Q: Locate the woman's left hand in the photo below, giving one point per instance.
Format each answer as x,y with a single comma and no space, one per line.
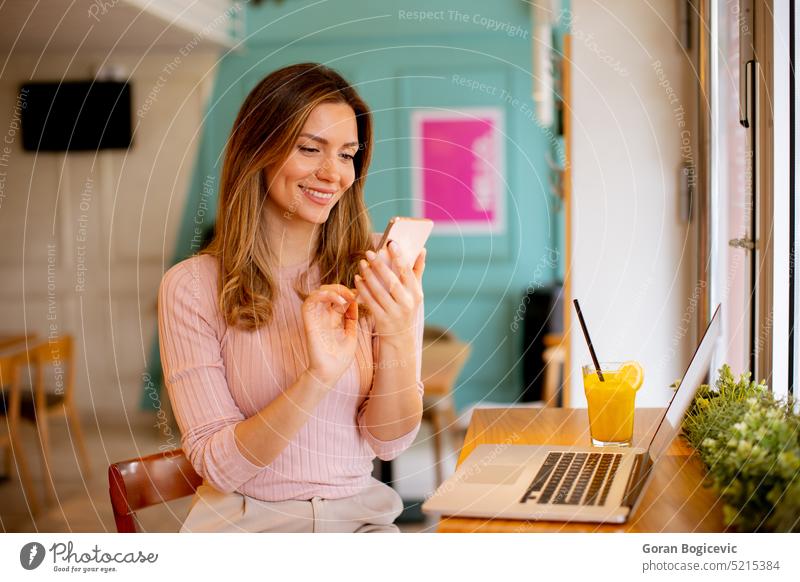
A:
394,299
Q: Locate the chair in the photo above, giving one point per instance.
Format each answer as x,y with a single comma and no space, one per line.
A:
11,363
38,407
443,358
553,357
147,481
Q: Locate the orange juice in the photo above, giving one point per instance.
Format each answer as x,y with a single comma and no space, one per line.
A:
611,402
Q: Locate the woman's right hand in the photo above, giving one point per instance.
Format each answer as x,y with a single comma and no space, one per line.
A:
330,318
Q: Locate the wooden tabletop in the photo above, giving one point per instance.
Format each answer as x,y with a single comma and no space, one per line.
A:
13,340
675,501
12,348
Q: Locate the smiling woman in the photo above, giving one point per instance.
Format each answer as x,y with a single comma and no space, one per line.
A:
302,128
289,364
320,169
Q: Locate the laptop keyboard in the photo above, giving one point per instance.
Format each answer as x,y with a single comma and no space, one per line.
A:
574,479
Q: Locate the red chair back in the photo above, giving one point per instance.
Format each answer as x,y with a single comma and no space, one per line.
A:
146,481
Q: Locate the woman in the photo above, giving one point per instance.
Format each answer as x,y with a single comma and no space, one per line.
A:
291,352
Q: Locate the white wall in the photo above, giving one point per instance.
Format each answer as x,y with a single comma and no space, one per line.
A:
125,204
632,255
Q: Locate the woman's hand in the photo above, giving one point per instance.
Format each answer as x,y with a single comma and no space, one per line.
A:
394,299
330,319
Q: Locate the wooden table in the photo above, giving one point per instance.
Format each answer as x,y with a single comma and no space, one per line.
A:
12,340
675,500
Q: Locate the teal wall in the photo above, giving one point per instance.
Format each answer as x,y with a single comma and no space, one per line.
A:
473,284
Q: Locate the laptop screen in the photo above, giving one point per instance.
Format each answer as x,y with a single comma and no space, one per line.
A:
682,399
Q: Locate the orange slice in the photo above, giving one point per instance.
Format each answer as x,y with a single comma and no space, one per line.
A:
632,374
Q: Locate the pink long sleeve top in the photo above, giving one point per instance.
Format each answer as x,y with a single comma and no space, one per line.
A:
218,375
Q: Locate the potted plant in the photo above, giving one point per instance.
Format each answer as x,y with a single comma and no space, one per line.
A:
750,443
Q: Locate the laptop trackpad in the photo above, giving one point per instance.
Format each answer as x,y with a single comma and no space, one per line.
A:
494,475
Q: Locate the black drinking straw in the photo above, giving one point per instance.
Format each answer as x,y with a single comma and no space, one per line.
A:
588,340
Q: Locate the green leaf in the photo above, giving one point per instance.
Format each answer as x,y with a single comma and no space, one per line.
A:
750,444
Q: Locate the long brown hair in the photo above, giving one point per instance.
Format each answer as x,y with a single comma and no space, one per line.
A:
264,134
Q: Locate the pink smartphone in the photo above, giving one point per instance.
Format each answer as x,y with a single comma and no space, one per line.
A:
410,234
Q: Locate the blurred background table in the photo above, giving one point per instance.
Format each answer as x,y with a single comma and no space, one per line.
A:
10,340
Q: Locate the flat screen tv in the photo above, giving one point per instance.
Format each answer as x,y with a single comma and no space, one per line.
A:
76,116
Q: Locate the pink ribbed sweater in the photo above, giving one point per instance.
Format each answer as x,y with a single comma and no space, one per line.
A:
218,375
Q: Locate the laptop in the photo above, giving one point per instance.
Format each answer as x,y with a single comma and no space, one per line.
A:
557,483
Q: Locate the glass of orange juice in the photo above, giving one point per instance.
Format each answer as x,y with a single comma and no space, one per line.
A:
611,401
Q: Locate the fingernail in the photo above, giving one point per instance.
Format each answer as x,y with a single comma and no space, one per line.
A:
393,246
364,265
371,255
358,277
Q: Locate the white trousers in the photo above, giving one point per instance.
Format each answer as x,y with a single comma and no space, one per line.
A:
373,509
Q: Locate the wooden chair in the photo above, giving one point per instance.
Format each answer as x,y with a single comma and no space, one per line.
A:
38,406
443,358
147,481
553,356
11,363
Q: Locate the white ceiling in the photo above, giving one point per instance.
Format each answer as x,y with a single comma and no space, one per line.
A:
70,26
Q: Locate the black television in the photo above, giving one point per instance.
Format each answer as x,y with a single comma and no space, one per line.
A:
76,116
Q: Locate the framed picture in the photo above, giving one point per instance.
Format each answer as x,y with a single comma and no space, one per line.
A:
458,169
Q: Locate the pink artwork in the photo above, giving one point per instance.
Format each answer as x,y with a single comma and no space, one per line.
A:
458,167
